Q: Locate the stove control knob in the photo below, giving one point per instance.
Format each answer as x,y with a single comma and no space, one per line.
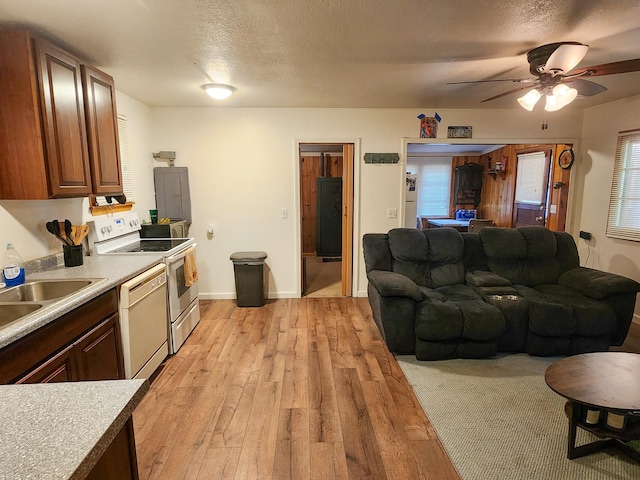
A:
105,229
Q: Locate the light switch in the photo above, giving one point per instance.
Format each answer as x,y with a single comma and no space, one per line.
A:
553,209
392,213
284,214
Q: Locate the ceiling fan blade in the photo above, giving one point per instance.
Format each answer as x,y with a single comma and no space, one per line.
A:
564,58
585,87
510,92
513,80
626,66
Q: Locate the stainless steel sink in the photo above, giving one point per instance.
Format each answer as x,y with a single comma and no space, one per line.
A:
42,290
23,300
14,311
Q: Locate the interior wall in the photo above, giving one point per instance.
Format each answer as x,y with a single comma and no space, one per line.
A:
593,174
242,167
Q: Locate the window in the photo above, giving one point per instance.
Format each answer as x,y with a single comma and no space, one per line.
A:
530,187
434,185
624,204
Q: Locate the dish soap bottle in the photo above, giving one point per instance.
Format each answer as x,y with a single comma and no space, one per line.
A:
12,267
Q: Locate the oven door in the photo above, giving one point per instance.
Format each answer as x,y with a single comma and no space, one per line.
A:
180,296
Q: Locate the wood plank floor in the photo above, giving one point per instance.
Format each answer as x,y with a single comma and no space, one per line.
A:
297,389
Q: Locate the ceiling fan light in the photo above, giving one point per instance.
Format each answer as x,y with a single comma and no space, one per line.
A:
561,97
565,58
529,100
218,91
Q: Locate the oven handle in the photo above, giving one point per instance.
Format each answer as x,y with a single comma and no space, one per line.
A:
178,256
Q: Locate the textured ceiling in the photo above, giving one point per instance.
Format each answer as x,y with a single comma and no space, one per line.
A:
331,53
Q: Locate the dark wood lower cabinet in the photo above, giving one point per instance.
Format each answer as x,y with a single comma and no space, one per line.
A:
82,345
119,461
57,369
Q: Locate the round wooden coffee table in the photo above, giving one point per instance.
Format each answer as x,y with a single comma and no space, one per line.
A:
603,394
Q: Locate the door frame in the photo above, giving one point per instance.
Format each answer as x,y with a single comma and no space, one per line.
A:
350,209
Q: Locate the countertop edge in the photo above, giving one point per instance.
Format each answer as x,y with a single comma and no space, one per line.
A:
105,268
92,458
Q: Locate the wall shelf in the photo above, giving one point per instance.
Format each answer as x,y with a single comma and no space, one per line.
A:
494,173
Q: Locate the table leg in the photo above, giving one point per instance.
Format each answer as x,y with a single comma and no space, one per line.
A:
576,452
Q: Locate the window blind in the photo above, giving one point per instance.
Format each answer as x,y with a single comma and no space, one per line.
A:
529,184
434,184
624,204
125,158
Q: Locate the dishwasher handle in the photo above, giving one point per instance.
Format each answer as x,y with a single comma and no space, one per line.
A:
143,285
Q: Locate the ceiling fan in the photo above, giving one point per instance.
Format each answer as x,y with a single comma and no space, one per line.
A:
553,66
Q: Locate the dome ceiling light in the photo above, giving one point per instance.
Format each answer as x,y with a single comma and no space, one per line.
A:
219,91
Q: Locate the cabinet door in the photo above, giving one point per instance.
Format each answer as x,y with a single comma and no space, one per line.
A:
59,368
102,131
99,352
64,121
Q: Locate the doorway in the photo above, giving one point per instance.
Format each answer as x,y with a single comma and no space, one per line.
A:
326,199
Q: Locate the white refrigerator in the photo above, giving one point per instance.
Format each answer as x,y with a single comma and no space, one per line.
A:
411,201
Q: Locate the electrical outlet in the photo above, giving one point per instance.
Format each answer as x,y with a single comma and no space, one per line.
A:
392,213
585,235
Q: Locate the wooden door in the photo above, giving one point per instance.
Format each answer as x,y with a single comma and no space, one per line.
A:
532,188
64,121
102,131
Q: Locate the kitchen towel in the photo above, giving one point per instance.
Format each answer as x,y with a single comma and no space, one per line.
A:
190,269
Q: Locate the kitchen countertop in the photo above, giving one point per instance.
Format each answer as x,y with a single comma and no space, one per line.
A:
60,430
112,270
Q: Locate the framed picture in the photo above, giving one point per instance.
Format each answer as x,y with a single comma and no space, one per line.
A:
428,127
459,132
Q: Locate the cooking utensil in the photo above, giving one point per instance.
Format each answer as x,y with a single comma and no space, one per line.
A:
79,232
60,233
54,228
68,231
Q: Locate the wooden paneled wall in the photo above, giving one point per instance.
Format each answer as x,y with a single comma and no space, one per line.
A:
309,173
498,189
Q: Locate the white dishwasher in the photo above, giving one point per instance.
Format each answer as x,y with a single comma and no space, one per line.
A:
143,321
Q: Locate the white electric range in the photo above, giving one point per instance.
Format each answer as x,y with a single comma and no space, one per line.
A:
119,234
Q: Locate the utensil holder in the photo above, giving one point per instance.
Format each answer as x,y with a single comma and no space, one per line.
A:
72,255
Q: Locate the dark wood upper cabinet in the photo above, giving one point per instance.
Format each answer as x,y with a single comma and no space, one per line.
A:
63,122
102,131
58,131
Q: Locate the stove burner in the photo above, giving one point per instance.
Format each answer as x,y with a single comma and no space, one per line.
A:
150,245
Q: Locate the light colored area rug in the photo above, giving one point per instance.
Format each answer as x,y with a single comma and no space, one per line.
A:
498,420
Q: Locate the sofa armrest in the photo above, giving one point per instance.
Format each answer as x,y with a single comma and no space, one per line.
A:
596,283
483,278
391,284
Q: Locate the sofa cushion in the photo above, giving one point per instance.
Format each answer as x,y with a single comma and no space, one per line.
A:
376,251
464,318
446,248
593,318
525,255
410,255
567,251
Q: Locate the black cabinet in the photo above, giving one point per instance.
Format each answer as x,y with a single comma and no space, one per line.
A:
329,226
